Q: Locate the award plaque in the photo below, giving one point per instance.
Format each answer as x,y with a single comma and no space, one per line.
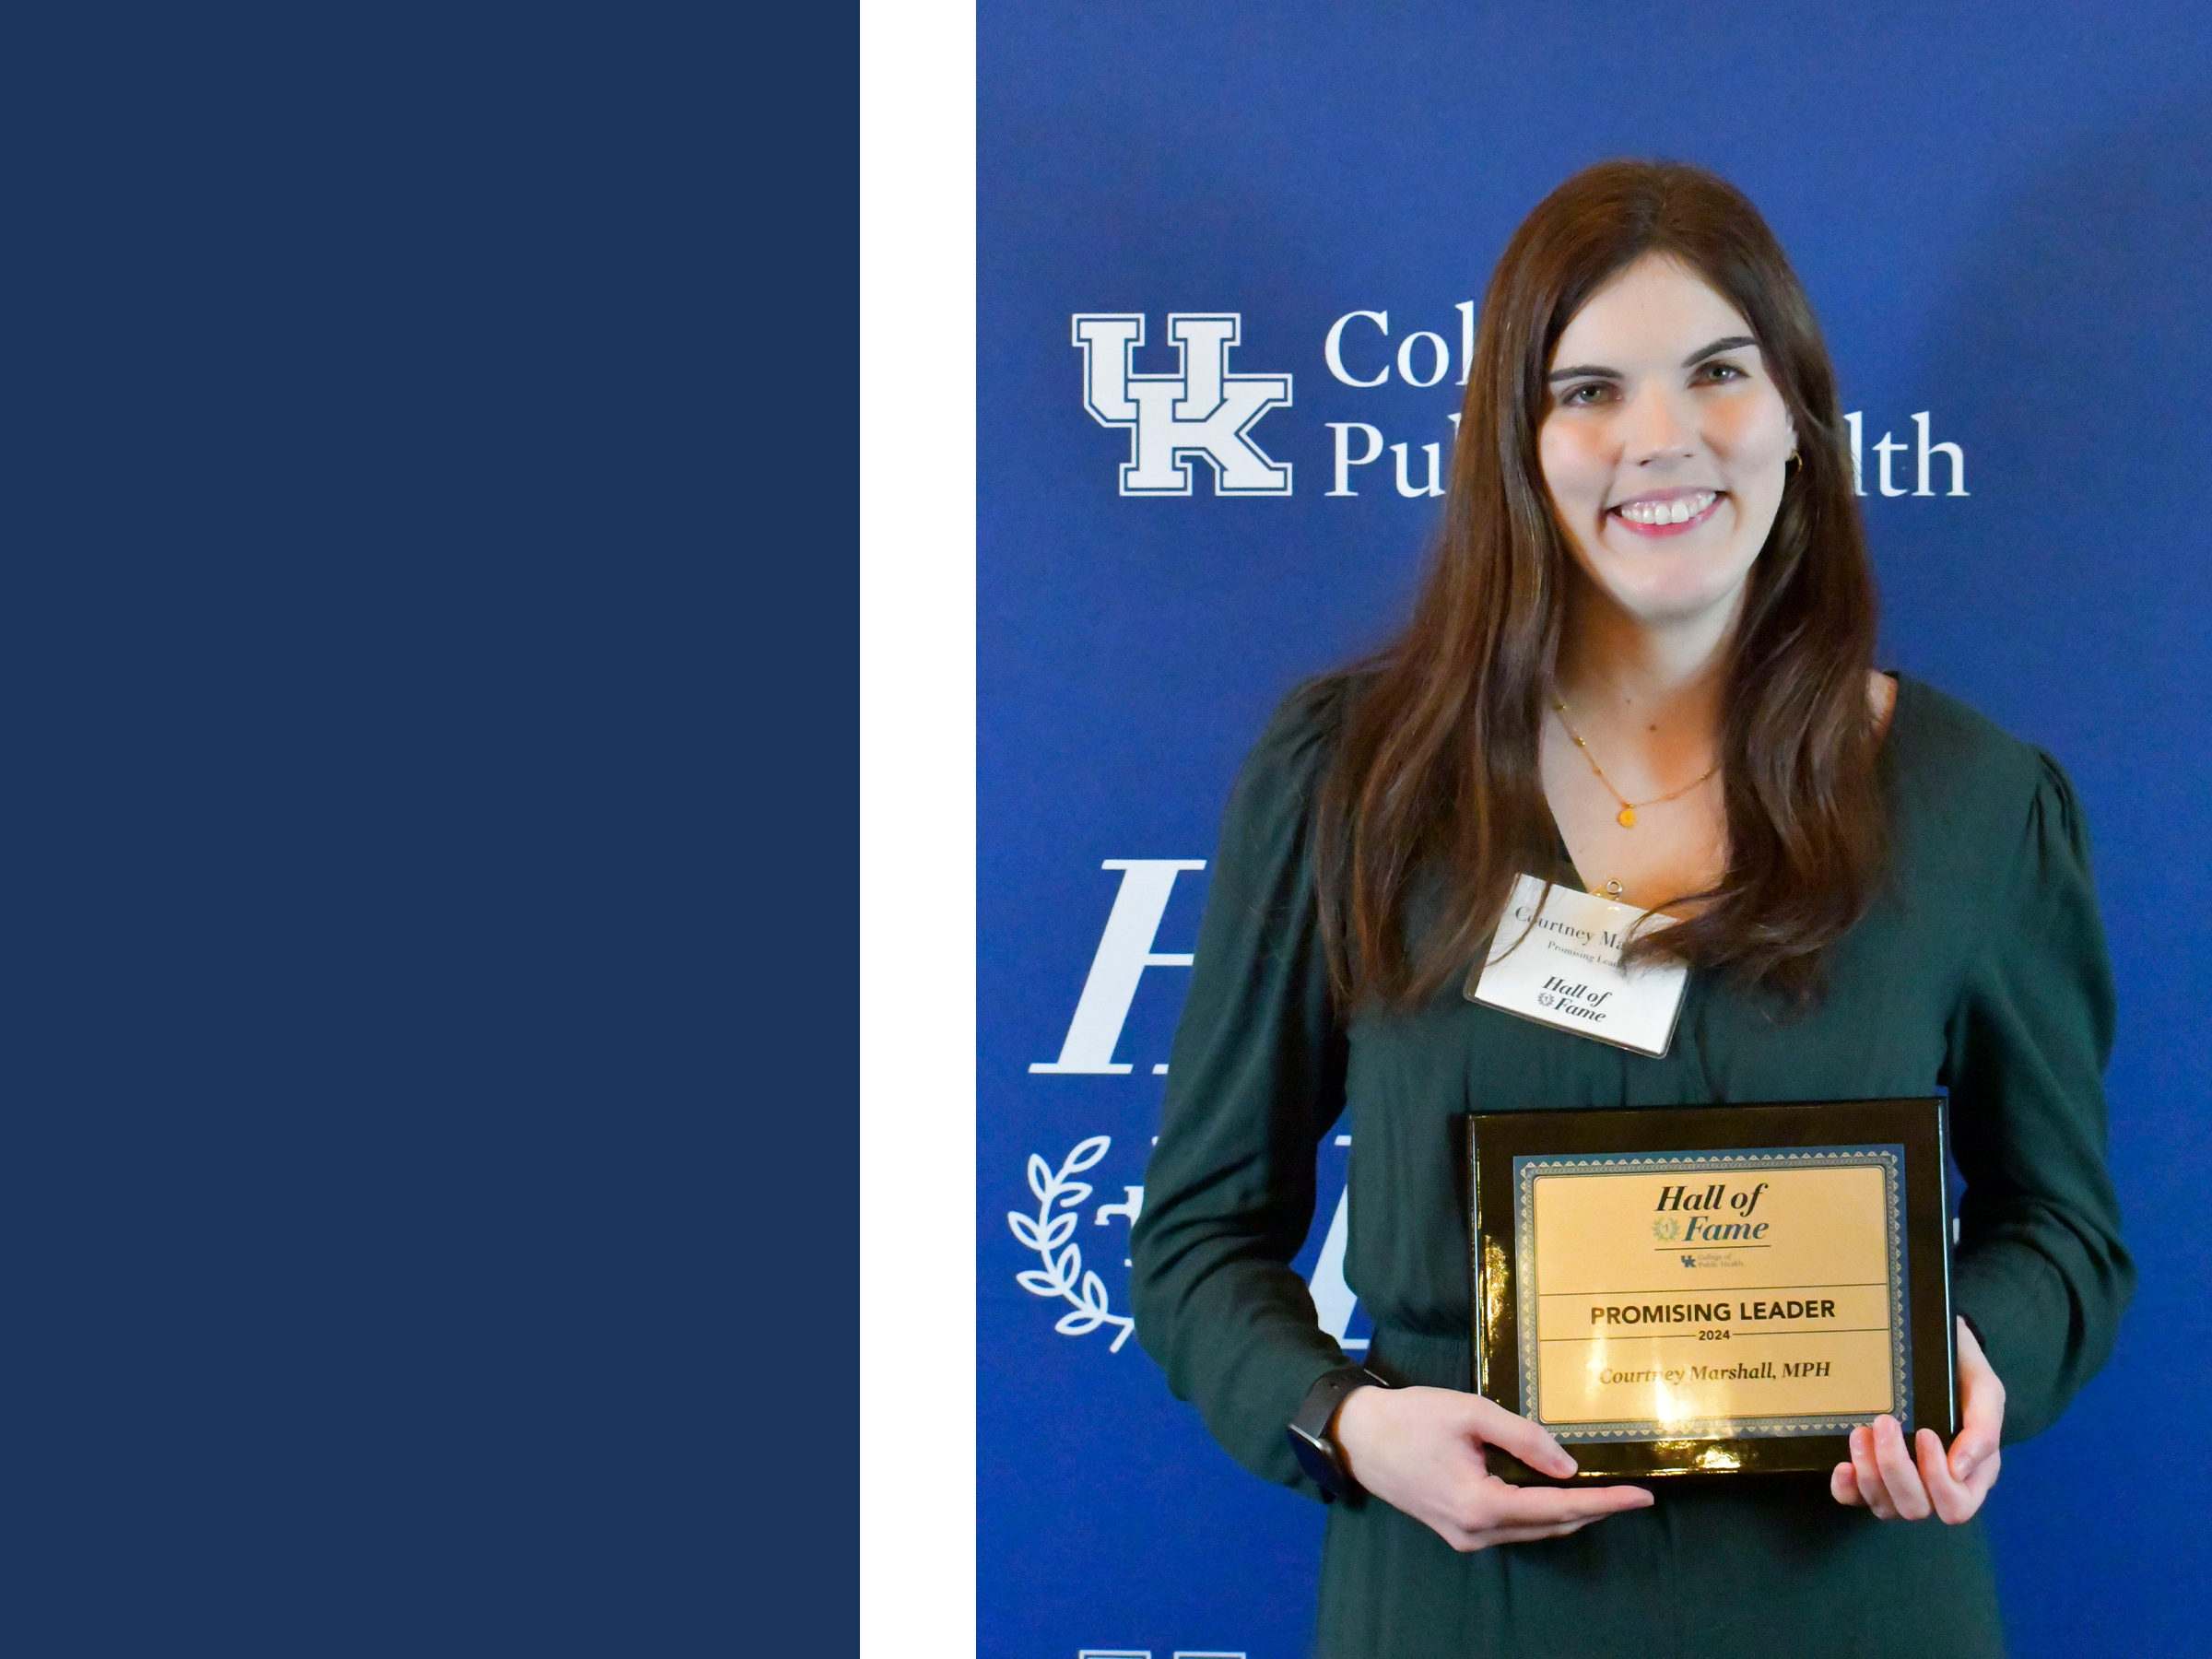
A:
1710,1290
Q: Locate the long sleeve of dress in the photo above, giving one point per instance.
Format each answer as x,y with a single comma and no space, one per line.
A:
1256,1078
2039,1270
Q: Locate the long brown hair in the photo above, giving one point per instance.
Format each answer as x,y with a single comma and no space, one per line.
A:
1434,789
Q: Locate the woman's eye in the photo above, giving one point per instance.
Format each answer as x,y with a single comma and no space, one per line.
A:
1588,392
1723,371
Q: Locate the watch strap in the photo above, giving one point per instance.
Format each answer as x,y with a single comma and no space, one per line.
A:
1312,1434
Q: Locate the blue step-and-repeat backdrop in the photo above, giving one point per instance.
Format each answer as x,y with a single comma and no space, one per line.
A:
2005,216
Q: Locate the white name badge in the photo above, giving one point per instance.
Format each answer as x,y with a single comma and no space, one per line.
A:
1556,960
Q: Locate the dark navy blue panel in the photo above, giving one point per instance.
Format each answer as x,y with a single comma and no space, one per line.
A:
2002,215
430,812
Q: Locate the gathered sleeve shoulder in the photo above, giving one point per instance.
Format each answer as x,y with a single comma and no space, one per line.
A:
2039,1270
1256,1079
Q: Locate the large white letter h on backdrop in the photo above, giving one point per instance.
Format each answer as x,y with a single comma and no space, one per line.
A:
1124,952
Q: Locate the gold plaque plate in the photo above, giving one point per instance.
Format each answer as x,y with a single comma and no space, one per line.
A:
1710,1290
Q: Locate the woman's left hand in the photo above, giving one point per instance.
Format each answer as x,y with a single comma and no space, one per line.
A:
1881,1474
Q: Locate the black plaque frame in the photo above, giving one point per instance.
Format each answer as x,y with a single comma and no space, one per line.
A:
1494,1139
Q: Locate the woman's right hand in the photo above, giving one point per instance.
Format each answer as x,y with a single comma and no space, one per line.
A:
1420,1450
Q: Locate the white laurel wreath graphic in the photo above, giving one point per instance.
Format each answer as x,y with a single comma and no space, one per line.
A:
1052,1237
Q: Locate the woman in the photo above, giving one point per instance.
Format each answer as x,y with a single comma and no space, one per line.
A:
1642,662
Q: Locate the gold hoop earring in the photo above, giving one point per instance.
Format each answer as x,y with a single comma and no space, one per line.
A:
1793,460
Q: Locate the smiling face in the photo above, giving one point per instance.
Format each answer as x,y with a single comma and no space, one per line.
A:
1664,444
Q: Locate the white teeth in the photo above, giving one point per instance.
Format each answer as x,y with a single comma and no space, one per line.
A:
1678,512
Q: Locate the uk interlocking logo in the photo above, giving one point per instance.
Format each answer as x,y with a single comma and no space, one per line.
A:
1201,412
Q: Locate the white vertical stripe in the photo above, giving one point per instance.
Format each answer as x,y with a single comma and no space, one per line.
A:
917,633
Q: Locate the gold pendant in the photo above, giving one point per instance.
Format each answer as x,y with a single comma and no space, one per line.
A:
1627,820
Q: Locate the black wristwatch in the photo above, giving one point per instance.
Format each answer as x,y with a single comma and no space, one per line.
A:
1312,1431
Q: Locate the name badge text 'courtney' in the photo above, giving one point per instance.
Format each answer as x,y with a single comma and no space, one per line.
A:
1556,960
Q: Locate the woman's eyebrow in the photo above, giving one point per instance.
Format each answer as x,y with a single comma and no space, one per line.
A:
1598,371
1729,343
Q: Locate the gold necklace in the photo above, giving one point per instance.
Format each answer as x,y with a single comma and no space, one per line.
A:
1626,817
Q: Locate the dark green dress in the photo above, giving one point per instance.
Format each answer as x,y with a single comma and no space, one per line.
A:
1983,969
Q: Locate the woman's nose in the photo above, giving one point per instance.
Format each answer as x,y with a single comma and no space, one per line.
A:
1655,428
